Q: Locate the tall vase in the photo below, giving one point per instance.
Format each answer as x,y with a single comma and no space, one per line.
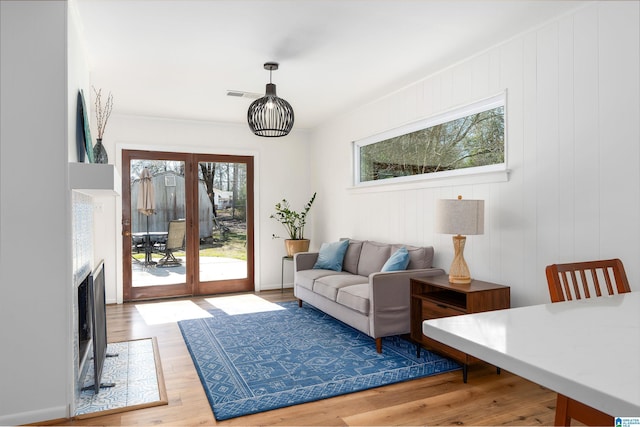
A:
99,153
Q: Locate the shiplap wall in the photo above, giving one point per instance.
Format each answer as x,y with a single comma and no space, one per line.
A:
573,191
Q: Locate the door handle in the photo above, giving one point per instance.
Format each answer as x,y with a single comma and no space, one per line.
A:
125,227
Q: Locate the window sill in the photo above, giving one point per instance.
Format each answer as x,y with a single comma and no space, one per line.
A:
432,182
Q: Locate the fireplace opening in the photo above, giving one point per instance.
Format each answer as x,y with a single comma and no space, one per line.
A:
85,322
99,327
92,328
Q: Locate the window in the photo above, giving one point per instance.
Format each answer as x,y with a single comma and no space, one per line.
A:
467,140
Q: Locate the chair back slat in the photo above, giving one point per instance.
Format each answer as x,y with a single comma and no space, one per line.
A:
568,283
571,281
607,279
585,282
596,283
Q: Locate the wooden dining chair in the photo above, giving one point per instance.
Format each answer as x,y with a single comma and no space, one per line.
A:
574,281
588,279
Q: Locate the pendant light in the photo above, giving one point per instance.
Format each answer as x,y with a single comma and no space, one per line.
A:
270,116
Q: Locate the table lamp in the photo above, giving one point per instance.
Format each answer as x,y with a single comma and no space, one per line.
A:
461,218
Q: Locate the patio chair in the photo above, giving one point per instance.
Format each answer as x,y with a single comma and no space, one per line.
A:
175,241
577,281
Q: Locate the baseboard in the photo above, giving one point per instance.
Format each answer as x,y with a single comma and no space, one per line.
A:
276,287
39,416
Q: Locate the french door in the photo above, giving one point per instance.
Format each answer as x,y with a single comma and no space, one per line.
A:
187,224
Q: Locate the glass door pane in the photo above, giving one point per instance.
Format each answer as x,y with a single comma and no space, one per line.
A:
158,223
222,216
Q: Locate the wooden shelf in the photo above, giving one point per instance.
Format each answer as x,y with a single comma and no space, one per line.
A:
94,179
454,299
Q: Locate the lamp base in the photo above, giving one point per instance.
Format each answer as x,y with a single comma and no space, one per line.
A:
459,280
459,271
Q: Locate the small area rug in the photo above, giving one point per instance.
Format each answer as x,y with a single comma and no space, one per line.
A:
251,363
137,374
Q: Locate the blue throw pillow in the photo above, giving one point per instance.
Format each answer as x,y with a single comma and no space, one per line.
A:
331,255
398,261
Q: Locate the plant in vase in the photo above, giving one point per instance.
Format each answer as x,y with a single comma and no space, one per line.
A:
294,223
102,116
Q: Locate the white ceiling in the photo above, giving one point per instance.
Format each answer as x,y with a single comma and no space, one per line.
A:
177,59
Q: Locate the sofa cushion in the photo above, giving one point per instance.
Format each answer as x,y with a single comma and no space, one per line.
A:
398,261
331,255
355,297
305,278
328,286
419,257
372,257
352,256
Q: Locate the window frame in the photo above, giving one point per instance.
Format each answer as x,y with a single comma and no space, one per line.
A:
499,100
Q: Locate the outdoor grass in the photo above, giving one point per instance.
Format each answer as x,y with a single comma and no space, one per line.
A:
235,246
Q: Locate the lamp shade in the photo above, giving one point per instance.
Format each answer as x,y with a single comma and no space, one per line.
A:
458,216
270,116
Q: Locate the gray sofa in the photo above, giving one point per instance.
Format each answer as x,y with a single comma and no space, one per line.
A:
374,302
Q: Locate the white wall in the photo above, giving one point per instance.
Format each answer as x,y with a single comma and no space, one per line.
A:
573,150
280,172
34,214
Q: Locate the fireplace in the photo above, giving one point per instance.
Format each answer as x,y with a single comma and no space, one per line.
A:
84,327
92,328
99,326
86,181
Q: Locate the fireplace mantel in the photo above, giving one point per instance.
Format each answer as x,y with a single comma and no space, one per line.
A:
94,179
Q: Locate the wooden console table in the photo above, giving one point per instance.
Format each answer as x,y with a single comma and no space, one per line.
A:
434,297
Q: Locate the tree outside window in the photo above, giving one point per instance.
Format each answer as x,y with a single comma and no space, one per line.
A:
468,141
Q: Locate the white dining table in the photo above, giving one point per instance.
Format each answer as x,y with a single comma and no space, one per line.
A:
587,350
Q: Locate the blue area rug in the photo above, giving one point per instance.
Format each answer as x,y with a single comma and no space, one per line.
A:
251,363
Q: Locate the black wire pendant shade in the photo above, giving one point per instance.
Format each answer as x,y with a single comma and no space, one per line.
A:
270,116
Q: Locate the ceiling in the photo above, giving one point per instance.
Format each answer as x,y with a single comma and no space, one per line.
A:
178,59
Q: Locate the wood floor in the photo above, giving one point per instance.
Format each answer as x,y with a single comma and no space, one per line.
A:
487,398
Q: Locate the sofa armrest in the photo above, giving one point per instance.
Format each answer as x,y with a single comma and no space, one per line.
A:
304,260
389,299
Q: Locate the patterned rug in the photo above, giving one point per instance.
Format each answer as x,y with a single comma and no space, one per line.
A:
251,363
